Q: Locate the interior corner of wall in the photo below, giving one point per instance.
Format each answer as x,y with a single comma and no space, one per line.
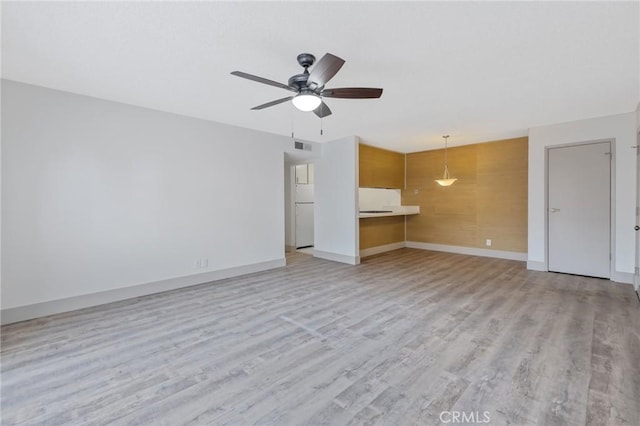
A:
536,265
622,277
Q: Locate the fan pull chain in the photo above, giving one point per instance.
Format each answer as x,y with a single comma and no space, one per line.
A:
321,115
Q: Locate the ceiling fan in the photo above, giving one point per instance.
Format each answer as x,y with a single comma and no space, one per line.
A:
309,86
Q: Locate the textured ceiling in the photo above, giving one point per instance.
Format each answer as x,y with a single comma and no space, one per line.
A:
479,71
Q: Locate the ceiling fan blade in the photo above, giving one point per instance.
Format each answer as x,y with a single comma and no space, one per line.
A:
272,103
262,80
352,93
322,111
325,69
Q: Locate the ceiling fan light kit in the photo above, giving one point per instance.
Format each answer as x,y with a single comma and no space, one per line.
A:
306,101
309,86
446,180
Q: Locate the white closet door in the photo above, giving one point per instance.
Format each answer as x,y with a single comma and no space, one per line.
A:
579,209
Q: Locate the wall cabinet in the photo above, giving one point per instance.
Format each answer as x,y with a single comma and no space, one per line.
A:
380,168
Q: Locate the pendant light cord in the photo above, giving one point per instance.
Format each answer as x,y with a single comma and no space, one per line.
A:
446,158
292,133
446,180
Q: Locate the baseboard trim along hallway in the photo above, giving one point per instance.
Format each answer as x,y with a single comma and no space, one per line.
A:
22,313
381,249
473,251
337,257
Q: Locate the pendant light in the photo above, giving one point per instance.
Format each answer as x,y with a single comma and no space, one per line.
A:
446,180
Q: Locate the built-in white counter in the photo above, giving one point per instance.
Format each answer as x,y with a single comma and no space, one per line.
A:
390,211
381,202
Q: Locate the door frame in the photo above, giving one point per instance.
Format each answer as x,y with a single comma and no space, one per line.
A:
612,206
636,270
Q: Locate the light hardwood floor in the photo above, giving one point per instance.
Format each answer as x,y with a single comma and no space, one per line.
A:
394,341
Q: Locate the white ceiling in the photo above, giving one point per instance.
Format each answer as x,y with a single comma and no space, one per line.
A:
479,71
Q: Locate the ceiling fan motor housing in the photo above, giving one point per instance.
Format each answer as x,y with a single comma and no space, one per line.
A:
299,81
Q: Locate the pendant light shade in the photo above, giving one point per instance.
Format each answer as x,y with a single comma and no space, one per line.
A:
446,180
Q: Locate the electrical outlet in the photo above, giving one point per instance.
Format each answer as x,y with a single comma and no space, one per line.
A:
201,263
488,243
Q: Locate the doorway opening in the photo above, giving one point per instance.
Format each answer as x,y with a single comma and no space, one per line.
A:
304,206
299,205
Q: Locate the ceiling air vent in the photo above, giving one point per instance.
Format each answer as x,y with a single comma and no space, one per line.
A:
302,146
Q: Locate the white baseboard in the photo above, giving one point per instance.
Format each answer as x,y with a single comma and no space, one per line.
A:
473,251
622,277
617,276
534,265
381,249
36,310
336,257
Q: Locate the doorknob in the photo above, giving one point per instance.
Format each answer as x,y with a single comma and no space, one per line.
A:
637,228
554,210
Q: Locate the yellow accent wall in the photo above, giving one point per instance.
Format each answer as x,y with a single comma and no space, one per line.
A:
380,168
379,231
489,200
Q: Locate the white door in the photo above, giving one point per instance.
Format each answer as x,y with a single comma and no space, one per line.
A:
302,175
579,209
304,193
310,173
304,225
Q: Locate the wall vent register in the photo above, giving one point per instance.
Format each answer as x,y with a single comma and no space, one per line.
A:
302,146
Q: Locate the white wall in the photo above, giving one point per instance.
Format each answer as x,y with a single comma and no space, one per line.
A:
1,132
622,129
336,201
98,196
